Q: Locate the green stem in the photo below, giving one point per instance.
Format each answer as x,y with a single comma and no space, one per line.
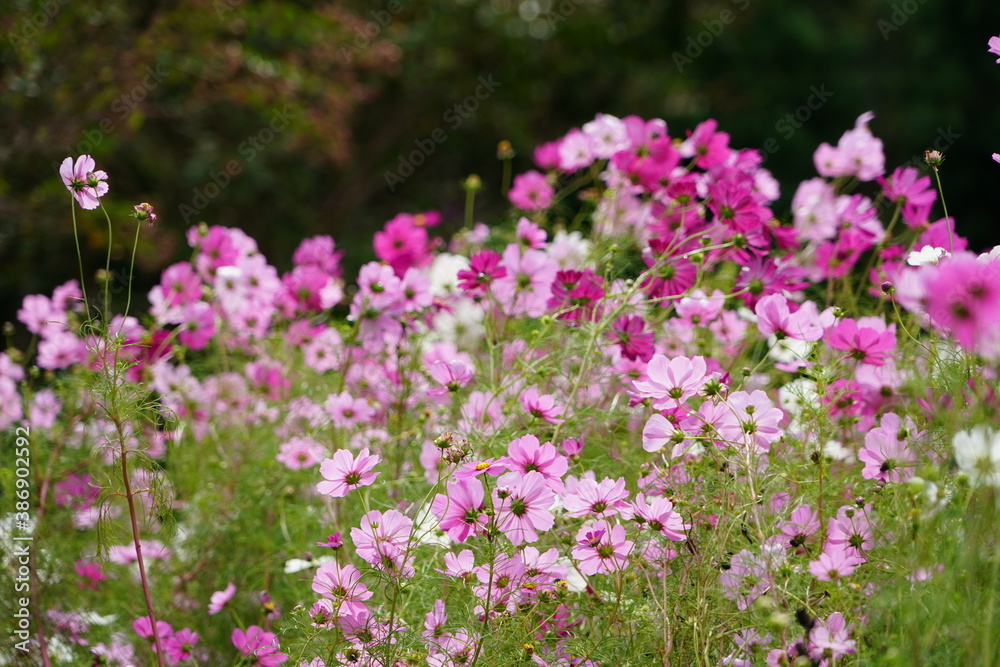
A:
470,199
937,177
131,268
79,257
107,270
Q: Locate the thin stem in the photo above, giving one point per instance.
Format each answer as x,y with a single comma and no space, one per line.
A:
131,268
937,177
470,200
107,270
138,547
79,257
505,187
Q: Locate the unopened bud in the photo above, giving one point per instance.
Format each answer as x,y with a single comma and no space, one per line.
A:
473,183
504,150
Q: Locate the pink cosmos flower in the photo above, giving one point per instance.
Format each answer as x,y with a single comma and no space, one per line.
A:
775,317
300,453
602,500
180,645
673,275
451,375
144,628
527,285
484,268
963,297
529,235
994,45
803,522
673,381
870,344
459,565
531,191
525,455
634,341
461,513
745,580
319,251
752,420
835,562
575,151
660,432
383,539
344,472
263,646
220,598
858,153
708,147
886,455
659,514
542,406
197,325
852,529
90,572
402,244
734,205
576,295
602,548
81,179
522,503
343,586
346,411
913,191
332,542
829,639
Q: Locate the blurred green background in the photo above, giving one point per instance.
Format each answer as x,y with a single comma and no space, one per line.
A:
299,109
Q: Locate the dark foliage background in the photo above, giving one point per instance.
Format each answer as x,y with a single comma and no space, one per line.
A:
165,94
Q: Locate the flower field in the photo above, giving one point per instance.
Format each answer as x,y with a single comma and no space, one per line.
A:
642,420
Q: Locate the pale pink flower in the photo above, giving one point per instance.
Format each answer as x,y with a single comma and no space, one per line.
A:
220,598
673,381
344,472
84,181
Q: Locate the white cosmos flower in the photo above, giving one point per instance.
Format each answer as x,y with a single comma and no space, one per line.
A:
927,255
977,453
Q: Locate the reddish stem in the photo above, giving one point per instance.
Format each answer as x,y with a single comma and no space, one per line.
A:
138,550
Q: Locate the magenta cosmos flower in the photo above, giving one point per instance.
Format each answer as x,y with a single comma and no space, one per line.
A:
343,586
531,191
461,513
602,548
263,646
522,505
84,181
525,455
344,473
